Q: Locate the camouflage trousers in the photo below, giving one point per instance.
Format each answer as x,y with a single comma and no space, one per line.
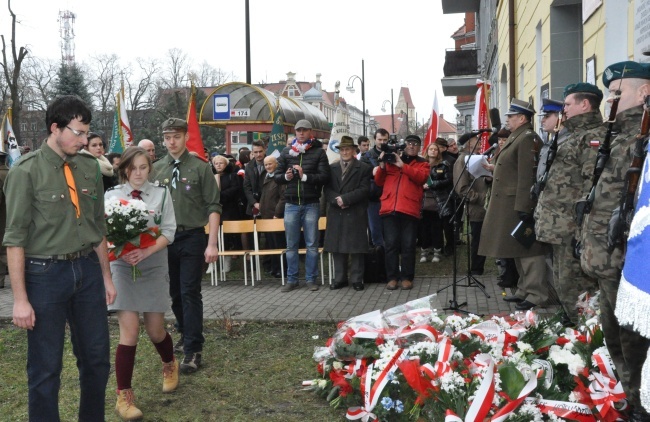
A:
569,280
627,348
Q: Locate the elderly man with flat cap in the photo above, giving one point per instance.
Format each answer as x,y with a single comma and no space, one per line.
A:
630,80
304,168
511,203
569,181
195,194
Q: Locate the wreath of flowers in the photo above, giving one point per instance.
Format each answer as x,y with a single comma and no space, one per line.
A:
297,148
409,363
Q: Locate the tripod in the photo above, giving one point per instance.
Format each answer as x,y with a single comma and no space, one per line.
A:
471,280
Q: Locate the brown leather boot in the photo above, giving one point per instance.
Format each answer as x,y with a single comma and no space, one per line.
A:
125,406
170,376
407,285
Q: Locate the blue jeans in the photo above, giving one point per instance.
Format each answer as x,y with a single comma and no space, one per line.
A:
400,231
71,291
295,217
374,223
186,257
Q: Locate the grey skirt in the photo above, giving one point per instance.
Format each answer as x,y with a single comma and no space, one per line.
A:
149,292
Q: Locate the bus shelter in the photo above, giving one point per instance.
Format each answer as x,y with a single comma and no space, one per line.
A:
240,107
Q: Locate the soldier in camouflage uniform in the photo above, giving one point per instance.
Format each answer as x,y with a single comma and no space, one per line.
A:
627,348
569,180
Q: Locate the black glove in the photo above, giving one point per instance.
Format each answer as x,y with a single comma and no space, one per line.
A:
526,217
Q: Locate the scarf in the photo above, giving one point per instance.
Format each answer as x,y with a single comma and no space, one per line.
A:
105,166
297,148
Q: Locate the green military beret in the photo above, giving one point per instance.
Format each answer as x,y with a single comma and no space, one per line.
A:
626,69
584,88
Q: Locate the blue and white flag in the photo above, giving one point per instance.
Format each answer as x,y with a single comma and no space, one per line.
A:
633,300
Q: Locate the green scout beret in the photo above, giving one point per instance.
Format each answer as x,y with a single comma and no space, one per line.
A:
626,69
174,125
584,88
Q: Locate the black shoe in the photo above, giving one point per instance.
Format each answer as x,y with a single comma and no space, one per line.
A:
357,286
524,305
277,274
513,299
178,347
191,363
338,285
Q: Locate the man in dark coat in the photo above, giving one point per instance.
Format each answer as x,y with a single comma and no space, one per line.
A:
347,220
510,203
254,174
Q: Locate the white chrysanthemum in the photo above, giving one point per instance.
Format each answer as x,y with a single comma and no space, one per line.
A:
524,347
129,227
456,322
573,361
574,397
424,347
530,410
337,365
451,381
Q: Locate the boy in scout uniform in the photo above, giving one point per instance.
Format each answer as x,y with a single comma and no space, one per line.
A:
58,261
195,195
627,347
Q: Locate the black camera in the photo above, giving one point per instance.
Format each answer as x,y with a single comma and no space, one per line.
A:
295,172
392,146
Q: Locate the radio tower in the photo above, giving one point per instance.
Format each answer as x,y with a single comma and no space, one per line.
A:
66,27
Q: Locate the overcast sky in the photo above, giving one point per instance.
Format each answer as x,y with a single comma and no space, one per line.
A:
402,42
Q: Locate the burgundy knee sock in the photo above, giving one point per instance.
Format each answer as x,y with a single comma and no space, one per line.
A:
124,362
165,349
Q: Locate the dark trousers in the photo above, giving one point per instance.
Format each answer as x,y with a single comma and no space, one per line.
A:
430,230
357,264
72,292
478,261
400,231
186,258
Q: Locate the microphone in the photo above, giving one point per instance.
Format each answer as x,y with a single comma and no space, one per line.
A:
488,130
492,148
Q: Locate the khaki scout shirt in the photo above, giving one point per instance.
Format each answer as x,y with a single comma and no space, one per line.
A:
196,195
40,215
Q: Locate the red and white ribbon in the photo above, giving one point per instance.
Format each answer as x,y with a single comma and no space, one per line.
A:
482,403
371,392
452,417
510,407
567,410
441,367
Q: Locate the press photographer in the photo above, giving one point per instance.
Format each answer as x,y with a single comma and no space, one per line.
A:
404,173
391,149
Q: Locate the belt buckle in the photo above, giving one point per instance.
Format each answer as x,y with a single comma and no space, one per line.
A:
72,256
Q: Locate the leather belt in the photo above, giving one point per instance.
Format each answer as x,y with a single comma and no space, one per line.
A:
187,229
63,257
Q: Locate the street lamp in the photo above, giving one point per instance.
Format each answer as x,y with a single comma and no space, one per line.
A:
350,88
383,108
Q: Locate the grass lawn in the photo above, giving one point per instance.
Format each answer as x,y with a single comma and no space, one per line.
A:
254,375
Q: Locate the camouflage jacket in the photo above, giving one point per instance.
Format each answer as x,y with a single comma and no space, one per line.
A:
595,260
569,179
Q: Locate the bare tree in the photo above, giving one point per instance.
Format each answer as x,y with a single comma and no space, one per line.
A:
105,80
141,90
12,70
176,74
207,75
39,77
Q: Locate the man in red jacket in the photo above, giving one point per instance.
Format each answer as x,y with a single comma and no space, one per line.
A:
402,177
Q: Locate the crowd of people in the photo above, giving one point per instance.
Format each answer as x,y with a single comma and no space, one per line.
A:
383,200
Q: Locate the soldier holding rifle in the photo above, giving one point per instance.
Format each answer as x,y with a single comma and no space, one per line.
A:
568,179
630,82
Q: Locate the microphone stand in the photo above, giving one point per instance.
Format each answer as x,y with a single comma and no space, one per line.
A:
453,303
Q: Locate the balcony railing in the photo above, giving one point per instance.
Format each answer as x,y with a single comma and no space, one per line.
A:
461,62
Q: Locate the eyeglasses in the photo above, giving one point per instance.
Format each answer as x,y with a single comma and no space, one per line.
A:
78,133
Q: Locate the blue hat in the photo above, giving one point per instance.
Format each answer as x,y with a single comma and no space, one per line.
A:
520,107
583,88
625,70
550,106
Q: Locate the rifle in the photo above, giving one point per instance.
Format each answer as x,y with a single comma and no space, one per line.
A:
604,150
540,184
619,226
